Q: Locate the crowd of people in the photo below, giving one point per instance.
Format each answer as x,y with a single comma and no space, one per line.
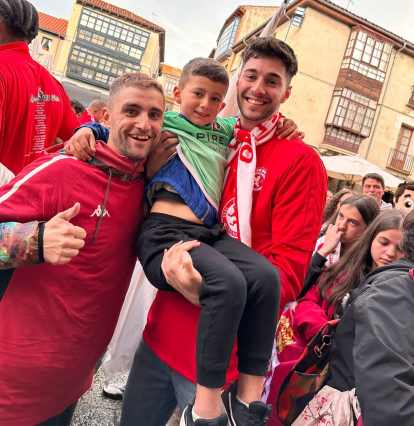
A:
246,275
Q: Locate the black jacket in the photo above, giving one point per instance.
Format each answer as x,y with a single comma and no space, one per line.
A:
313,274
373,348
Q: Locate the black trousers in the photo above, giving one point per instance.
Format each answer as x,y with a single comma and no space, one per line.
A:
62,419
240,295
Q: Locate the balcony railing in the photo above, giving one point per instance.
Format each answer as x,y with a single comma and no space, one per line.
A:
399,160
411,102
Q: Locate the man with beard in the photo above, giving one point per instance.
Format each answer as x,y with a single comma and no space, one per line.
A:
275,224
56,321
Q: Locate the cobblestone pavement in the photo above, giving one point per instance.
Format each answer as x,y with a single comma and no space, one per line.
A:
94,409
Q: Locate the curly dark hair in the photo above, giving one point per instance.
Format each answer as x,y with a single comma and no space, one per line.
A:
21,17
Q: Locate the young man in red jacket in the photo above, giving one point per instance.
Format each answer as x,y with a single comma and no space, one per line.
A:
34,107
282,228
56,321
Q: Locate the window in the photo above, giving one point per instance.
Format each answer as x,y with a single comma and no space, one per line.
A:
367,55
46,43
298,16
227,38
112,27
169,86
342,139
399,157
353,111
101,77
411,100
404,139
98,39
91,65
87,73
111,34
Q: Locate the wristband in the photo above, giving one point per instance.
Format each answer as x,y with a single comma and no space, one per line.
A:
40,240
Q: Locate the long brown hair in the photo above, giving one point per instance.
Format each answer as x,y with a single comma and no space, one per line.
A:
351,269
366,206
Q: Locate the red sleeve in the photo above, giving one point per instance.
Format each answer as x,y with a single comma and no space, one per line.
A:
296,222
33,194
2,96
309,314
69,122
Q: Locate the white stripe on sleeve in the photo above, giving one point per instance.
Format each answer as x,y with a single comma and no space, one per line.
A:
17,185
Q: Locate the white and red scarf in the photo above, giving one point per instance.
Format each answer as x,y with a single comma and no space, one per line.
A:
241,156
332,257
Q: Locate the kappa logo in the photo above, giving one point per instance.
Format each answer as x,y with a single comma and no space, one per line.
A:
259,178
215,126
41,97
98,212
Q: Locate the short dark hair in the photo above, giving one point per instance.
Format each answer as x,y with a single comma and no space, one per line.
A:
21,17
375,176
407,242
204,67
77,106
272,48
133,79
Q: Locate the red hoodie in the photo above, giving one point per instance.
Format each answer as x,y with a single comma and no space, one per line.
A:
34,108
56,321
288,200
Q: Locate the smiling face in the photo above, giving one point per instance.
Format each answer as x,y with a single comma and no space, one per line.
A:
135,120
261,88
385,248
351,223
200,99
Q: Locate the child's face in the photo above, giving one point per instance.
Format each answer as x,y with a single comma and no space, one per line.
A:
200,100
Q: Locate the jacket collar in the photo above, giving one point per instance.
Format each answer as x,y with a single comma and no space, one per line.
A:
17,46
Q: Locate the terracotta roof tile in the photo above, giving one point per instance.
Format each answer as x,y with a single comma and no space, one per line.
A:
104,6
52,24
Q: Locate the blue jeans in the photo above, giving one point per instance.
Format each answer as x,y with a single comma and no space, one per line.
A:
153,390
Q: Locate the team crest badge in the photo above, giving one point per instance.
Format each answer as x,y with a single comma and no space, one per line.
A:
215,126
259,178
229,217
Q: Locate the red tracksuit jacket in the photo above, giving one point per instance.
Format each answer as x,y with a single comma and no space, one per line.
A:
288,201
56,321
34,108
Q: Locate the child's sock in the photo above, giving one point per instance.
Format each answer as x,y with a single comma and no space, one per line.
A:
241,402
195,417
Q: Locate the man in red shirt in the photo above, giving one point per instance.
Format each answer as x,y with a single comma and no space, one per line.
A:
34,107
289,191
56,321
93,112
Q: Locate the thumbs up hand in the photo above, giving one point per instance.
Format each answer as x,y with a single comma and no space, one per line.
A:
61,239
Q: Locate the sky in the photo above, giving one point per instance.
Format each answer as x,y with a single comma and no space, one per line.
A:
192,26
